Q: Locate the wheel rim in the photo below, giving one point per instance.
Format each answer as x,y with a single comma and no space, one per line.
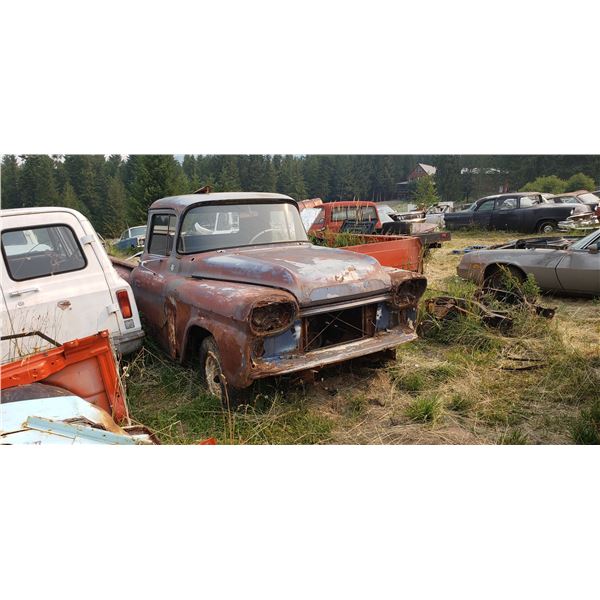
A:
212,372
547,228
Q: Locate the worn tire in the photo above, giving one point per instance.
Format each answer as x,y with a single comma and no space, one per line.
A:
548,226
211,375
497,278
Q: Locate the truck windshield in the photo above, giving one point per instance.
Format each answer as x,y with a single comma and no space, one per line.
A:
219,226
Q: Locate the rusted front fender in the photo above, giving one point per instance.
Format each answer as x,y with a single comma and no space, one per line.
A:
234,343
220,309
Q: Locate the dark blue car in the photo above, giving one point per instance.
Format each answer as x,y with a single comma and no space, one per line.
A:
132,238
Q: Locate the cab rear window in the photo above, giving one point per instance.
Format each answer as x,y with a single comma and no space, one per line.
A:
41,252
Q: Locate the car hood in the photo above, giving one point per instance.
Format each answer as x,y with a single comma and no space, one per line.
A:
313,274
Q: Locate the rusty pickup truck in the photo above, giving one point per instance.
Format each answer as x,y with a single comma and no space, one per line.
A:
230,282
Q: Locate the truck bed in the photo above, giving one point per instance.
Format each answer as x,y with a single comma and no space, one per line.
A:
123,267
398,251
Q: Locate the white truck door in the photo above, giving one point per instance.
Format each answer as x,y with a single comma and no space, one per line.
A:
52,282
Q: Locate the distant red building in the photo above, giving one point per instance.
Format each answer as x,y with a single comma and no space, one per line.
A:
421,170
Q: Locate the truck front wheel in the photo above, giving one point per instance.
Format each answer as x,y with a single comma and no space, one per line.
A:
212,375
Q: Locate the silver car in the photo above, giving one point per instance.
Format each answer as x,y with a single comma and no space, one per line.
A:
558,264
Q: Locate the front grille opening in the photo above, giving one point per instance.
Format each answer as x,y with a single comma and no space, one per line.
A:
338,327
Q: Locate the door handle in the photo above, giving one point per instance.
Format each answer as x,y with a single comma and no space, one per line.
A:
25,291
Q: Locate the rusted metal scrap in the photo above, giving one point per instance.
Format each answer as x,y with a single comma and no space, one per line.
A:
516,297
69,394
448,307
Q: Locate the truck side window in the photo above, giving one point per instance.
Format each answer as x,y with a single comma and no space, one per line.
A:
339,214
41,251
162,232
369,213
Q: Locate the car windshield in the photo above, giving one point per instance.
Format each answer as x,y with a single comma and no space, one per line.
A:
136,231
219,226
583,242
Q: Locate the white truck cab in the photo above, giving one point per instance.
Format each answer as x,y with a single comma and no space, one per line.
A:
58,281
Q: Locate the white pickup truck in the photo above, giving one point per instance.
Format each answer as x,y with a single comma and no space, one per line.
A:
58,284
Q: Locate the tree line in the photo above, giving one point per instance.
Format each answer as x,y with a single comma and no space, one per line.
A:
114,192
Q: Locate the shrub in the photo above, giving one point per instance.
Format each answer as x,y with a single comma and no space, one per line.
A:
579,181
550,184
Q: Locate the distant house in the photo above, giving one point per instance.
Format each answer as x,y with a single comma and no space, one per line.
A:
403,187
421,170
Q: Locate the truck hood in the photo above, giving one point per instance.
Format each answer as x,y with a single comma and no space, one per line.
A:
313,274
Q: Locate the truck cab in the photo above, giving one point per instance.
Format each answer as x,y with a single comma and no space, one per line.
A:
331,215
58,282
254,298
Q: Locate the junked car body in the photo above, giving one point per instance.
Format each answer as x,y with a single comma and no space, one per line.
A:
569,266
132,238
526,212
579,197
261,300
58,280
359,216
70,394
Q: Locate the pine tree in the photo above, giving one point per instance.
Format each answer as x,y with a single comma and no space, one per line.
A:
88,176
148,178
228,179
114,218
10,182
289,178
425,194
36,183
310,174
69,198
189,167
447,178
114,166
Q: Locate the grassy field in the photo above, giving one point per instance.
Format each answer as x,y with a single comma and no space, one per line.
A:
458,385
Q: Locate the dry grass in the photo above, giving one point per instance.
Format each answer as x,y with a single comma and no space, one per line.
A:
453,388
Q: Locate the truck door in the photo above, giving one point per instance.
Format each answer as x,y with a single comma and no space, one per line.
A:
149,278
483,214
52,283
506,214
579,270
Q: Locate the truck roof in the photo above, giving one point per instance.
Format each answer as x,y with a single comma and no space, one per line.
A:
29,210
180,203
342,203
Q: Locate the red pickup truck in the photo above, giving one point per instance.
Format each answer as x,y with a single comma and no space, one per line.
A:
230,281
346,216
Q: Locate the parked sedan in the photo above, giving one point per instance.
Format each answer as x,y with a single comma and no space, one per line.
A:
134,237
519,211
568,265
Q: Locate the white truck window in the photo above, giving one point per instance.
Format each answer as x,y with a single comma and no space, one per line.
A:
41,251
